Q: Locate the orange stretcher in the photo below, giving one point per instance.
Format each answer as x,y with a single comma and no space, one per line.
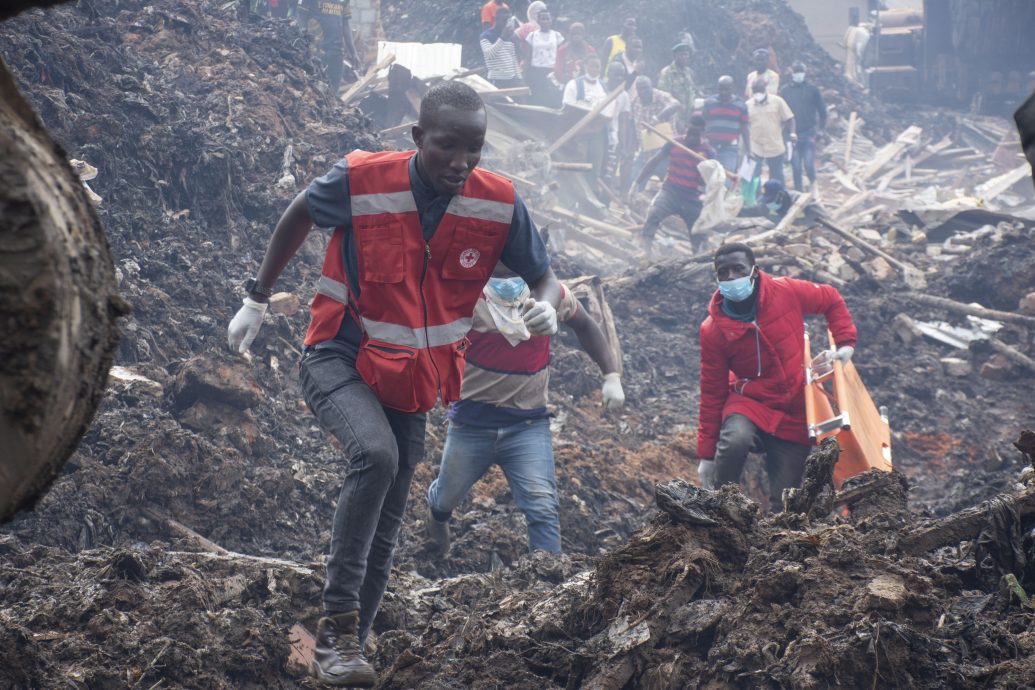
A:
838,404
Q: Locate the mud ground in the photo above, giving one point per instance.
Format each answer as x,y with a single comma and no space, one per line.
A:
188,109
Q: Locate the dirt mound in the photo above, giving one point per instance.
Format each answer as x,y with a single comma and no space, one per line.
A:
711,596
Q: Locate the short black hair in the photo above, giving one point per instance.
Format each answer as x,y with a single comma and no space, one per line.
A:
697,122
455,94
733,248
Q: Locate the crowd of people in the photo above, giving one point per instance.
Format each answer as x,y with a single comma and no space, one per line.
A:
754,130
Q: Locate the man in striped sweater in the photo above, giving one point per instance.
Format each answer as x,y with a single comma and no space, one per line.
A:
499,48
680,195
726,122
502,418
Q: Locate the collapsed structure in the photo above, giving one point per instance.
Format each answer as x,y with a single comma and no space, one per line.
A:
182,544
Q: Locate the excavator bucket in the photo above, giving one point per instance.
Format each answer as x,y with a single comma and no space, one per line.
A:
838,404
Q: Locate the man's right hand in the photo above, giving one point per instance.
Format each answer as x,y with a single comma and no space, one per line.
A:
245,325
708,473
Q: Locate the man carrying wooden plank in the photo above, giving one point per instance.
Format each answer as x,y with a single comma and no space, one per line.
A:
680,194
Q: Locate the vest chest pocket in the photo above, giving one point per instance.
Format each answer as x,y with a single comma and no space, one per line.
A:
390,371
381,255
471,255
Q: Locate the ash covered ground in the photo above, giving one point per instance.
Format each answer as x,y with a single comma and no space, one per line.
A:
204,121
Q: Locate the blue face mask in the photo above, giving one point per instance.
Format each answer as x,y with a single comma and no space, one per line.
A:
508,289
773,206
738,289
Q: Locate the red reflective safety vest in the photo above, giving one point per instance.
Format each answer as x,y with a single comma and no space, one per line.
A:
416,299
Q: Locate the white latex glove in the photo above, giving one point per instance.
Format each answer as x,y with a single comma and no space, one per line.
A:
245,325
844,354
708,474
540,317
614,396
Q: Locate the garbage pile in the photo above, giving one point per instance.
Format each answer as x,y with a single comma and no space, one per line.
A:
183,544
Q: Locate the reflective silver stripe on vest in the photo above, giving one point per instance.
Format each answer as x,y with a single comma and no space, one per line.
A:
483,209
329,287
418,338
389,202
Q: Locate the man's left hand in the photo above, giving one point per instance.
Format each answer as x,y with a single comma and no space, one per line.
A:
540,317
844,354
614,396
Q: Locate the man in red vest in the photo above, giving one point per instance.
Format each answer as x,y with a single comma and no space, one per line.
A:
680,195
416,237
752,376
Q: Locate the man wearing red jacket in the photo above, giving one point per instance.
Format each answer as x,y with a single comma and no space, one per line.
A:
416,237
752,373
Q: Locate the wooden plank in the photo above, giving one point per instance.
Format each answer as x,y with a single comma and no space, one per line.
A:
852,202
853,123
961,308
398,129
371,74
910,137
505,93
997,185
797,207
566,165
910,164
683,147
586,119
913,277
609,248
591,222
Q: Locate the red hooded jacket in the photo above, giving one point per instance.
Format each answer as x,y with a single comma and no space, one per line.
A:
756,369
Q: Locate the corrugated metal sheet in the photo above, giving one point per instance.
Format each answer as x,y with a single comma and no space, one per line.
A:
425,60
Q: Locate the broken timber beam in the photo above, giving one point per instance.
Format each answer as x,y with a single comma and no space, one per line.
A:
398,129
853,122
183,530
591,222
912,275
505,93
960,308
797,207
565,165
962,526
683,147
910,137
585,120
1012,354
371,74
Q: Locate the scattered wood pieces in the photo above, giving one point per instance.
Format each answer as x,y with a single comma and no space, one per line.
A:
962,526
371,74
853,123
585,120
960,308
912,276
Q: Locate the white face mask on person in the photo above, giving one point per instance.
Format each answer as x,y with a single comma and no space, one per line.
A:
798,77
760,97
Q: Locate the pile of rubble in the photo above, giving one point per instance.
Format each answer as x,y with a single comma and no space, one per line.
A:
156,558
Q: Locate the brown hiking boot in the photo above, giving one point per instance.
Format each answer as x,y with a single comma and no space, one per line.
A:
337,659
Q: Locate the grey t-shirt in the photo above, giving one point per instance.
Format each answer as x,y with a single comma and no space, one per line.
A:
330,207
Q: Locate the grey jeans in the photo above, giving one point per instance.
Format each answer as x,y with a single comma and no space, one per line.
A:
668,202
382,449
784,460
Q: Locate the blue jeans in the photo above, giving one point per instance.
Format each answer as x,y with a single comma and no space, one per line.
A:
524,452
727,155
804,152
775,165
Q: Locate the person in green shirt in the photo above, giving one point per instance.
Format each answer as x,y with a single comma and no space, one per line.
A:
678,79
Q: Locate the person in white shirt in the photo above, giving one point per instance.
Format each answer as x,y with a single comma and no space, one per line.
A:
544,43
584,92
